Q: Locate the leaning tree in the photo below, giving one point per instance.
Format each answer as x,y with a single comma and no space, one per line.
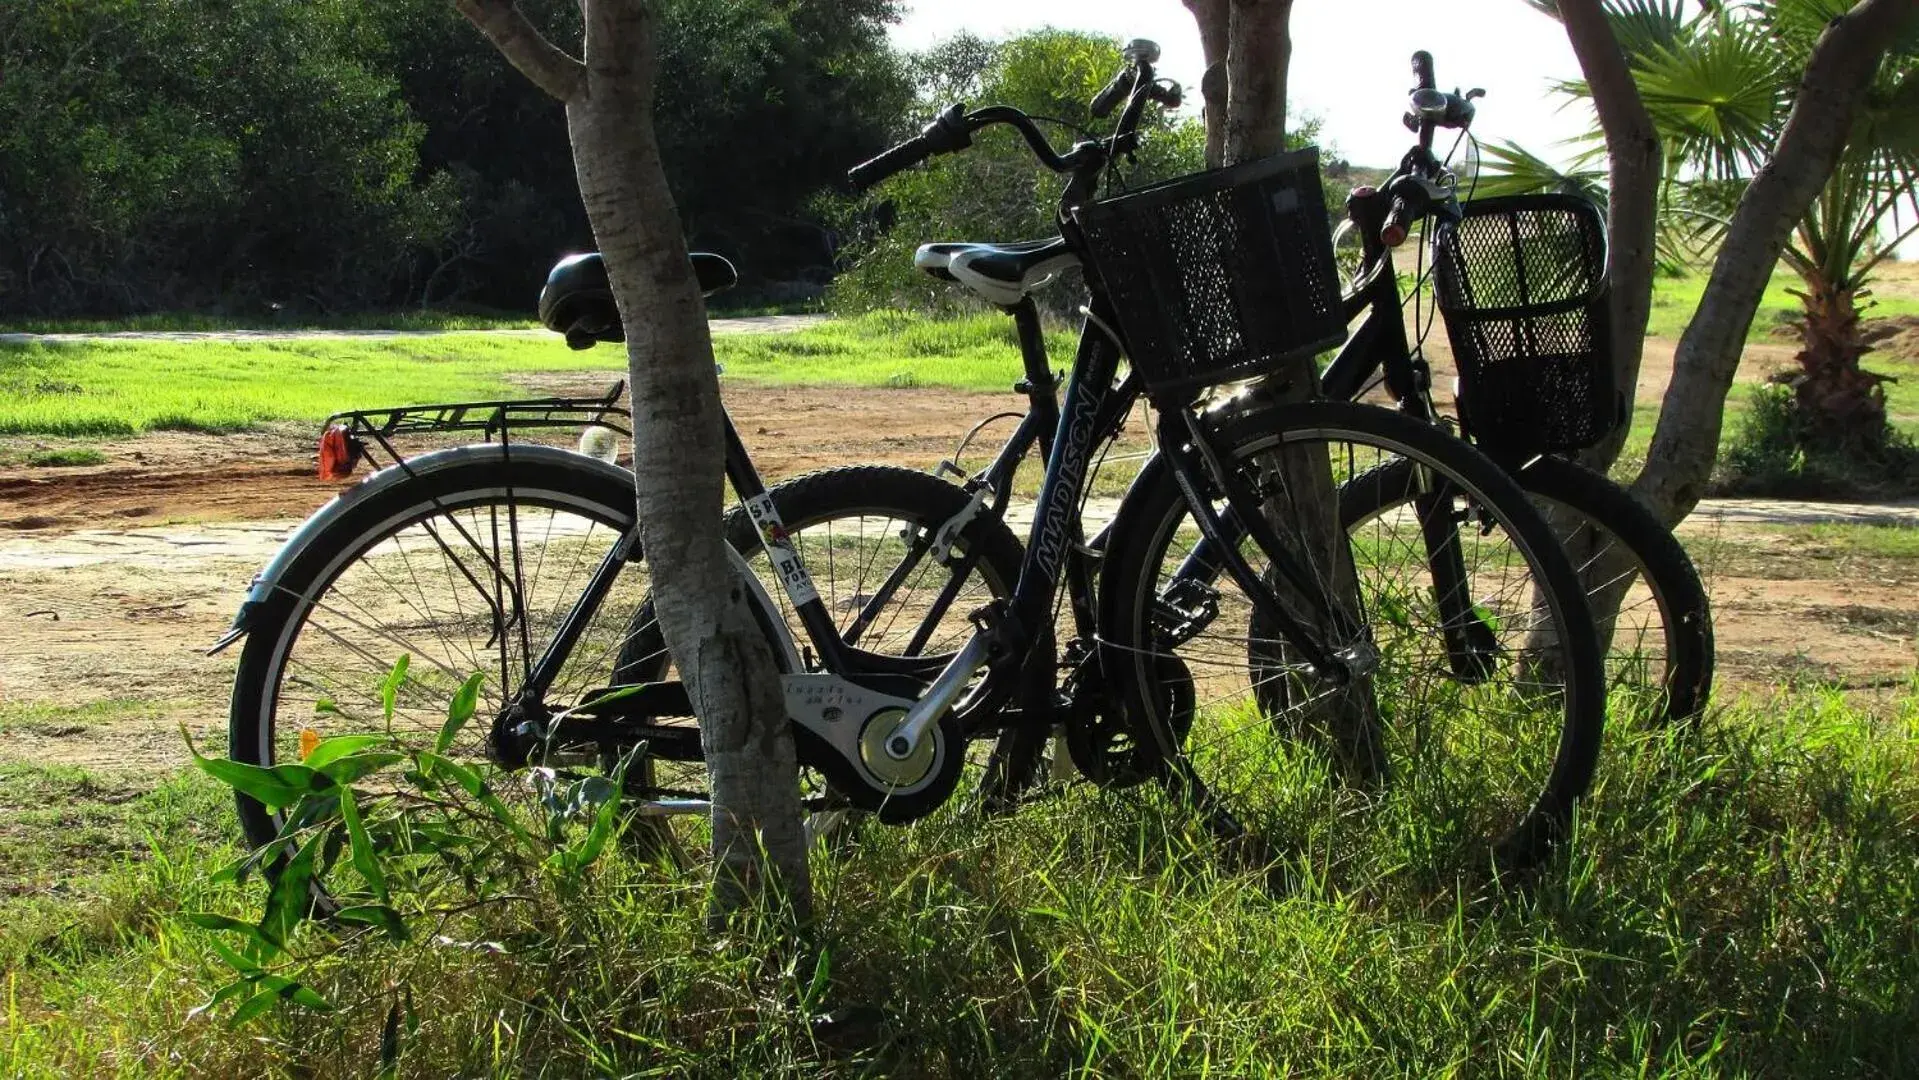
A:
1720,88
759,841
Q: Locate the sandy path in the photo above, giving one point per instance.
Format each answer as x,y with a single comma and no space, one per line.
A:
114,579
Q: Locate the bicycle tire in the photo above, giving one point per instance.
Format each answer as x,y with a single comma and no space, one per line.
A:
333,583
1570,720
1672,588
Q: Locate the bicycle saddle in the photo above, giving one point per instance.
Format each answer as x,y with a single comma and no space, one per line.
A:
578,302
1002,273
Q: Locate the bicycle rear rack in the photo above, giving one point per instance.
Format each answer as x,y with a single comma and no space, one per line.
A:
356,428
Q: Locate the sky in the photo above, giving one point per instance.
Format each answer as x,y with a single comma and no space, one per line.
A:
1351,60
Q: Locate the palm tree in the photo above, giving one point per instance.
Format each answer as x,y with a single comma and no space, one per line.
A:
1718,83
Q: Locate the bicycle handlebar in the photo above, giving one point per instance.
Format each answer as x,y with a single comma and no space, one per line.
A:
951,130
1428,109
954,128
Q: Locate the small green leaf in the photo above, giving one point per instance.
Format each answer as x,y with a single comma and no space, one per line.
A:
339,746
475,785
291,897
295,991
208,920
465,700
355,767
252,1008
390,1041
238,961
219,997
364,859
390,687
603,822
261,785
378,915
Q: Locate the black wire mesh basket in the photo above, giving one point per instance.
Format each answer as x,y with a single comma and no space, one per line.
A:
1521,281
1221,275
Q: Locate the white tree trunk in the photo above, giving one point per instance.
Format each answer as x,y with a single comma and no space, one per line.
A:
759,841
1633,160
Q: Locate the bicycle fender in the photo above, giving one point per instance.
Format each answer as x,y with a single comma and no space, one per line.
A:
267,581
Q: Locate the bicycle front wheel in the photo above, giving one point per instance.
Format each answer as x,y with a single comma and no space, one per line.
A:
1655,622
1479,704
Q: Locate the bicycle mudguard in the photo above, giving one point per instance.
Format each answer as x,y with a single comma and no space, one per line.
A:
268,579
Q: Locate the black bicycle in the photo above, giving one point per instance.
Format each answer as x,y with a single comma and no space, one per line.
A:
1521,284
1222,634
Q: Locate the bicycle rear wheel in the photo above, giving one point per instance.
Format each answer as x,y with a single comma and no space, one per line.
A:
466,564
1479,739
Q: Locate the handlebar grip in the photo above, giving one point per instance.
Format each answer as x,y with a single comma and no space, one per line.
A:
899,159
1423,70
1398,220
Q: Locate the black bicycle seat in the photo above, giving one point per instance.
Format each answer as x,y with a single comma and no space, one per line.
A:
1002,273
578,302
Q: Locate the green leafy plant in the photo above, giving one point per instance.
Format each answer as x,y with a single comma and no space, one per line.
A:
387,841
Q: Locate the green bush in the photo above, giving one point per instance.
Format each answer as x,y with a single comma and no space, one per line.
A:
186,153
1771,455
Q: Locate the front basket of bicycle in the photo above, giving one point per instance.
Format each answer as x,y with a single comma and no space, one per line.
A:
1221,275
1521,281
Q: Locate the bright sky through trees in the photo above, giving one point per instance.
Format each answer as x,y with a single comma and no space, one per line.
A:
1350,59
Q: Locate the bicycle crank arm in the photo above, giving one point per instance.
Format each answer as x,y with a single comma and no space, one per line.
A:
939,699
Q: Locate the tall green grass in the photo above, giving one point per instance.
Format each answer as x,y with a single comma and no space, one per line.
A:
890,349
1739,902
123,388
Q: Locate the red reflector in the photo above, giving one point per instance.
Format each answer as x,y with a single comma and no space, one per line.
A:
337,454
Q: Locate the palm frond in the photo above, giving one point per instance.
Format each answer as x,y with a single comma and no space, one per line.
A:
1510,169
1720,99
1643,26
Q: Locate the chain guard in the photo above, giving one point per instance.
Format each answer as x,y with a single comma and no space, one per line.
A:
831,718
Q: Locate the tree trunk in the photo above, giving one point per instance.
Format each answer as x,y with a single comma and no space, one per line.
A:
759,841
1841,407
1257,49
1215,18
1633,163
1686,442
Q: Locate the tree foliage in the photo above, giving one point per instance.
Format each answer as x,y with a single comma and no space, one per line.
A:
362,153
995,190
177,152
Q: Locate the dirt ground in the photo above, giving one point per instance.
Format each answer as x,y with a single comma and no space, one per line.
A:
114,579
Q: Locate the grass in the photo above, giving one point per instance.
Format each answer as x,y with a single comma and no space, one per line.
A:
1674,300
890,349
410,320
65,457
96,389
1736,903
